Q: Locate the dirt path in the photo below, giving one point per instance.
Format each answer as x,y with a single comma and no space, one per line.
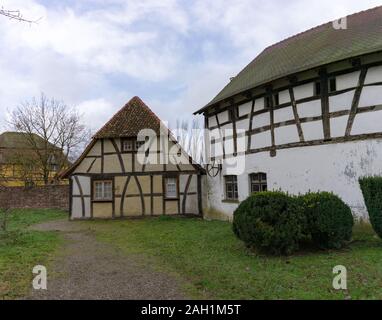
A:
88,269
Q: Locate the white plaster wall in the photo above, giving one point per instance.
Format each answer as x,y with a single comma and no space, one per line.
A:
287,134
371,96
338,126
76,203
309,109
229,146
313,130
369,122
261,140
349,80
223,117
216,149
259,104
341,102
242,124
245,109
261,120
303,91
192,200
333,167
284,97
283,114
374,75
212,122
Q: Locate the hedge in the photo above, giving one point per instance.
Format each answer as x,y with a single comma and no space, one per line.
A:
329,220
277,223
272,222
372,193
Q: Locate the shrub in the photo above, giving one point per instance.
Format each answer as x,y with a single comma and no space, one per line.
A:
329,220
372,193
272,222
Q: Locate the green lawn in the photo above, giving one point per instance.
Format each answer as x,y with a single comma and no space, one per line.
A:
214,264
21,249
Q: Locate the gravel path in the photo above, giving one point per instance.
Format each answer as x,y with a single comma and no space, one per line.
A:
89,269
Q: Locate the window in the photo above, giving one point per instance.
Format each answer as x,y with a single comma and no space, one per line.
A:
171,185
258,182
128,145
231,190
317,88
103,191
276,99
131,144
332,85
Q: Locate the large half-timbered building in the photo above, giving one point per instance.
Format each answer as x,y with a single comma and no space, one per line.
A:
134,167
306,114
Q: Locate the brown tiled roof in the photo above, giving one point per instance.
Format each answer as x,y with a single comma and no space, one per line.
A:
308,50
130,120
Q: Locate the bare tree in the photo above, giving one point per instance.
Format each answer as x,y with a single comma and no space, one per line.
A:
190,136
16,15
54,131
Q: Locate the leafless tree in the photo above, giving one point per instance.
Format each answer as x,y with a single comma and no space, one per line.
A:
60,127
16,15
190,136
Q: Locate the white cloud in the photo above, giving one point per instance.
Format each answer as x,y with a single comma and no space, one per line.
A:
98,54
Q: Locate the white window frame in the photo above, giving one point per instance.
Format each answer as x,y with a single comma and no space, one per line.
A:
103,190
171,188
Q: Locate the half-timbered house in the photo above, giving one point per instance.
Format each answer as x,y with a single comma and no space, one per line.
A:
306,114
134,167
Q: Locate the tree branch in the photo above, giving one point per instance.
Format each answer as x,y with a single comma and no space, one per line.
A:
16,15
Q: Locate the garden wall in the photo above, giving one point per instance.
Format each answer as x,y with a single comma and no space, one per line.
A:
54,197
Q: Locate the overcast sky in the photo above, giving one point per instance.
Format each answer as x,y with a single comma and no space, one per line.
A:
175,55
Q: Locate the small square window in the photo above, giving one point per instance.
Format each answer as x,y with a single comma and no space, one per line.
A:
276,99
127,145
258,182
332,85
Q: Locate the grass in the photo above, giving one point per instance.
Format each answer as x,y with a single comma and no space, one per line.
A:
213,264
21,249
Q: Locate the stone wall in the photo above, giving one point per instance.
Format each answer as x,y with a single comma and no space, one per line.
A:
54,197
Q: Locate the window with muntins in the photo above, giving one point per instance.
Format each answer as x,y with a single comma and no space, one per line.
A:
103,190
231,189
128,145
131,144
258,182
171,185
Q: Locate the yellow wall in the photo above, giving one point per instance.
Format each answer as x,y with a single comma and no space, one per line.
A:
11,176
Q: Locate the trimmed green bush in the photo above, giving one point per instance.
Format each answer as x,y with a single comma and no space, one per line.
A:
329,220
372,193
272,222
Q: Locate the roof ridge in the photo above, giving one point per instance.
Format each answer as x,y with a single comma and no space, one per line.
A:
317,27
